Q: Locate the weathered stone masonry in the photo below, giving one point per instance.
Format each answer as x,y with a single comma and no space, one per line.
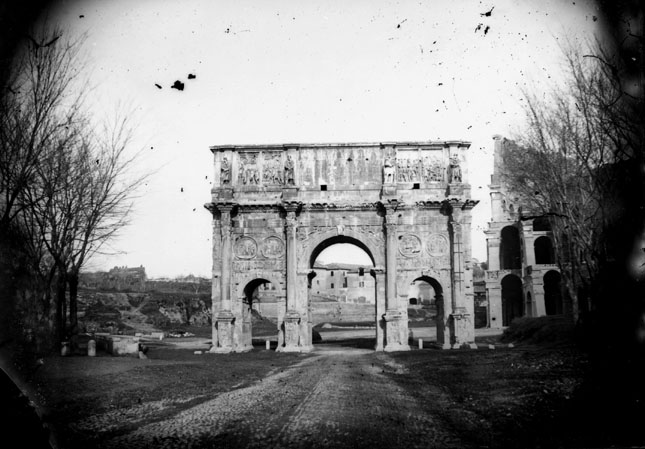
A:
276,207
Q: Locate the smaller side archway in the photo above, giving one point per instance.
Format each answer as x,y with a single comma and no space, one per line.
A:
431,298
544,254
260,300
512,299
553,293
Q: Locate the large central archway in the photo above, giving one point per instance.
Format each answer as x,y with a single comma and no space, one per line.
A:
342,292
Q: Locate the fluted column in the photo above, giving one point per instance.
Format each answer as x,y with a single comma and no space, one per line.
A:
379,296
460,316
396,324
225,317
390,261
292,317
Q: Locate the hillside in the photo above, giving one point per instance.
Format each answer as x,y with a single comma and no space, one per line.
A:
131,312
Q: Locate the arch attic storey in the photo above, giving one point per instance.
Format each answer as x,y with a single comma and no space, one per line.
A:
276,207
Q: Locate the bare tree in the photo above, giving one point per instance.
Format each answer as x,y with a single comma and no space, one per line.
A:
104,189
578,140
66,185
37,103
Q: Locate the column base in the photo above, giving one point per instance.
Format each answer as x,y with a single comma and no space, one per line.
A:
301,349
224,343
463,346
220,350
396,331
394,347
462,328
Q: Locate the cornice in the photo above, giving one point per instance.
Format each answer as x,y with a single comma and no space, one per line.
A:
438,144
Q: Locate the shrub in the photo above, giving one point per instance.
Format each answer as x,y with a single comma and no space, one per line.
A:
556,328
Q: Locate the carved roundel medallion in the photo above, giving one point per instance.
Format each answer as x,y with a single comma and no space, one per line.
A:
272,247
246,248
409,245
437,245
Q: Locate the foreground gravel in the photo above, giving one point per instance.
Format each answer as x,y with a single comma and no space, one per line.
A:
336,398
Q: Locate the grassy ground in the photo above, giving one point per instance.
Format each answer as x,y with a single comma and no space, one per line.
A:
535,395
511,398
75,387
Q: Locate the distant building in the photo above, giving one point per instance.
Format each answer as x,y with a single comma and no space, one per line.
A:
344,283
118,278
522,278
126,277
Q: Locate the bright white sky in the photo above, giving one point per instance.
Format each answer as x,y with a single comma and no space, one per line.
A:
296,71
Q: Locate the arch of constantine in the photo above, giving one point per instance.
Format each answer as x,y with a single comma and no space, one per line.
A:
276,207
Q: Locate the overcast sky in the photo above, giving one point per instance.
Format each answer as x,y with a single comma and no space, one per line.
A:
305,71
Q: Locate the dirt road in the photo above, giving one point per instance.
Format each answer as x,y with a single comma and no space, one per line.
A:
336,398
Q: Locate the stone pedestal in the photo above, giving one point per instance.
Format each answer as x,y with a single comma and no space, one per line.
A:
389,190
396,331
456,189
289,193
460,321
224,342
292,332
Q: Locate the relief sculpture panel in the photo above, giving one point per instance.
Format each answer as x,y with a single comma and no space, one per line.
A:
420,168
248,172
409,245
433,170
272,169
437,245
246,248
272,247
258,265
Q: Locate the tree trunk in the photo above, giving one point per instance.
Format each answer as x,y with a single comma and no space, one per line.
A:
72,281
61,308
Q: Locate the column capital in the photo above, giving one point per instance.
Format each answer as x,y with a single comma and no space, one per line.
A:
222,208
291,206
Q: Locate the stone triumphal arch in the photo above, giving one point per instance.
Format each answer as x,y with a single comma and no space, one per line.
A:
275,207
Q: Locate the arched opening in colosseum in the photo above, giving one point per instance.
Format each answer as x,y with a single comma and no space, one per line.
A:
544,253
512,299
509,251
553,293
342,291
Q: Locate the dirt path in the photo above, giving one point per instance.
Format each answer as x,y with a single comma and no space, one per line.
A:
337,398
